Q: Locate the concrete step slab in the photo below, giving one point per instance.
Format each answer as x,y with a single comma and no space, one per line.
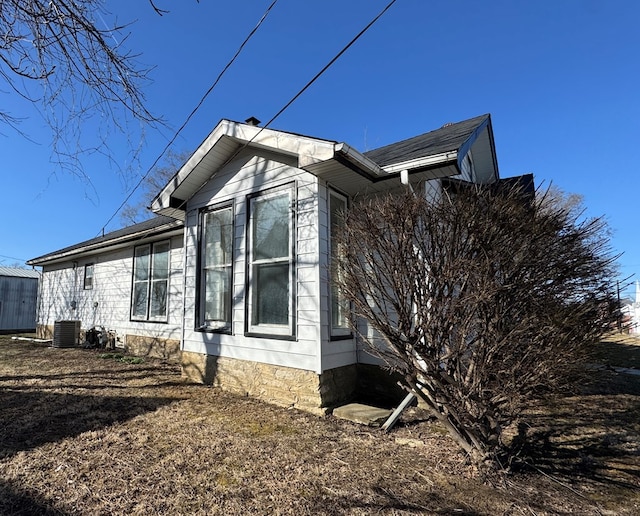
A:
362,414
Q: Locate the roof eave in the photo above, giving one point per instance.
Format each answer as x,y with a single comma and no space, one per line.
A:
178,190
364,165
173,227
464,149
424,162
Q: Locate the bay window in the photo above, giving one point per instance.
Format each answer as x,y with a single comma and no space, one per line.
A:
339,304
271,263
216,267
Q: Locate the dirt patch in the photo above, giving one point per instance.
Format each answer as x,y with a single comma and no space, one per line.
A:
89,435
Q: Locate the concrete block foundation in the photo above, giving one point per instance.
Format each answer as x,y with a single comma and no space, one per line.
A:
284,386
154,347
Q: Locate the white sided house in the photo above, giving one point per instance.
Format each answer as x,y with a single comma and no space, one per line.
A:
232,275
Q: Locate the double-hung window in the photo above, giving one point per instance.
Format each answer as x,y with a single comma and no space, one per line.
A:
150,282
216,262
271,263
88,276
339,304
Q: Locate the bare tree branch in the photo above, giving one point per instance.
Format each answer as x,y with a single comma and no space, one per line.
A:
54,54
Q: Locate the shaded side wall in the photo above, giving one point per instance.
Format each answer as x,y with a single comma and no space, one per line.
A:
108,303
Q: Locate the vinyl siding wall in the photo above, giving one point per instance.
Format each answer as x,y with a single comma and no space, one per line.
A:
250,173
63,283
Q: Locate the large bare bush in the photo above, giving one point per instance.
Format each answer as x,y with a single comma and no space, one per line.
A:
481,300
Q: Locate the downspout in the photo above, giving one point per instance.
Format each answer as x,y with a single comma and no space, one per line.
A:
74,300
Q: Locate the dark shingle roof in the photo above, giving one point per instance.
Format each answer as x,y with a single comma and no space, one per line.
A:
149,227
448,138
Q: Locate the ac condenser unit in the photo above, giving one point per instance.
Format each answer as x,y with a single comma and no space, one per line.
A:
65,334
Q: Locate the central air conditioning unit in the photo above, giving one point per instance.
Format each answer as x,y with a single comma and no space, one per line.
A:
65,334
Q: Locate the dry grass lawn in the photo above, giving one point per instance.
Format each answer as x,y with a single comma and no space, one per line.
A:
82,434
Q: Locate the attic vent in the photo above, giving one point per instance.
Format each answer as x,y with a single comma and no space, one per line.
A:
252,121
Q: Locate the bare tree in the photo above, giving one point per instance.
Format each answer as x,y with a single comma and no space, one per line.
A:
481,300
62,57
155,181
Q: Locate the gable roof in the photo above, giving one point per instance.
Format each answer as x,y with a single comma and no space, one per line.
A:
431,155
152,227
435,154
449,138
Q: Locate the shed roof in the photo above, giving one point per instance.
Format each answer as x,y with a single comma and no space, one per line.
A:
156,225
16,272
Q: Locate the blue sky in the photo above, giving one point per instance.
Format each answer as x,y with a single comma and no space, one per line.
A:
560,79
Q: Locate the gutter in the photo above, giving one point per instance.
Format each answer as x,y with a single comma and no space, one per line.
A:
424,162
42,260
367,166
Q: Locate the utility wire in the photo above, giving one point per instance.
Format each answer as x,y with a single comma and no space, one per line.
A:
306,86
12,258
190,116
328,65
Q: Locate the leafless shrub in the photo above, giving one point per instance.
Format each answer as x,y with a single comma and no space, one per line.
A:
154,182
482,299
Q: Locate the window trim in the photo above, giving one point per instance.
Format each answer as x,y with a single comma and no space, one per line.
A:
149,281
274,331
335,332
199,323
88,285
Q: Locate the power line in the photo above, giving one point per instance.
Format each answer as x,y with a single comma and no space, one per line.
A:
193,112
12,258
306,86
330,63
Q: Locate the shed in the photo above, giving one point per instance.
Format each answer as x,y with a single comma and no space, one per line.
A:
18,299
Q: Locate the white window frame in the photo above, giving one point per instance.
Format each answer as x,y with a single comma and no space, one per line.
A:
336,331
205,324
257,328
88,285
150,281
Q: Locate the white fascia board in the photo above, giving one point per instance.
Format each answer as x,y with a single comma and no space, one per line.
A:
306,150
171,229
162,199
359,159
426,161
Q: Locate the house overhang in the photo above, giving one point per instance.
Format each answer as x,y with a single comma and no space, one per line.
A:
222,145
335,162
174,228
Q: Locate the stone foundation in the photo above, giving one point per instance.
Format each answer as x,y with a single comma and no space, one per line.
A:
154,347
44,331
284,386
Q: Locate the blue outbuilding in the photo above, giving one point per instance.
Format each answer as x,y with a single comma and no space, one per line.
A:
18,299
